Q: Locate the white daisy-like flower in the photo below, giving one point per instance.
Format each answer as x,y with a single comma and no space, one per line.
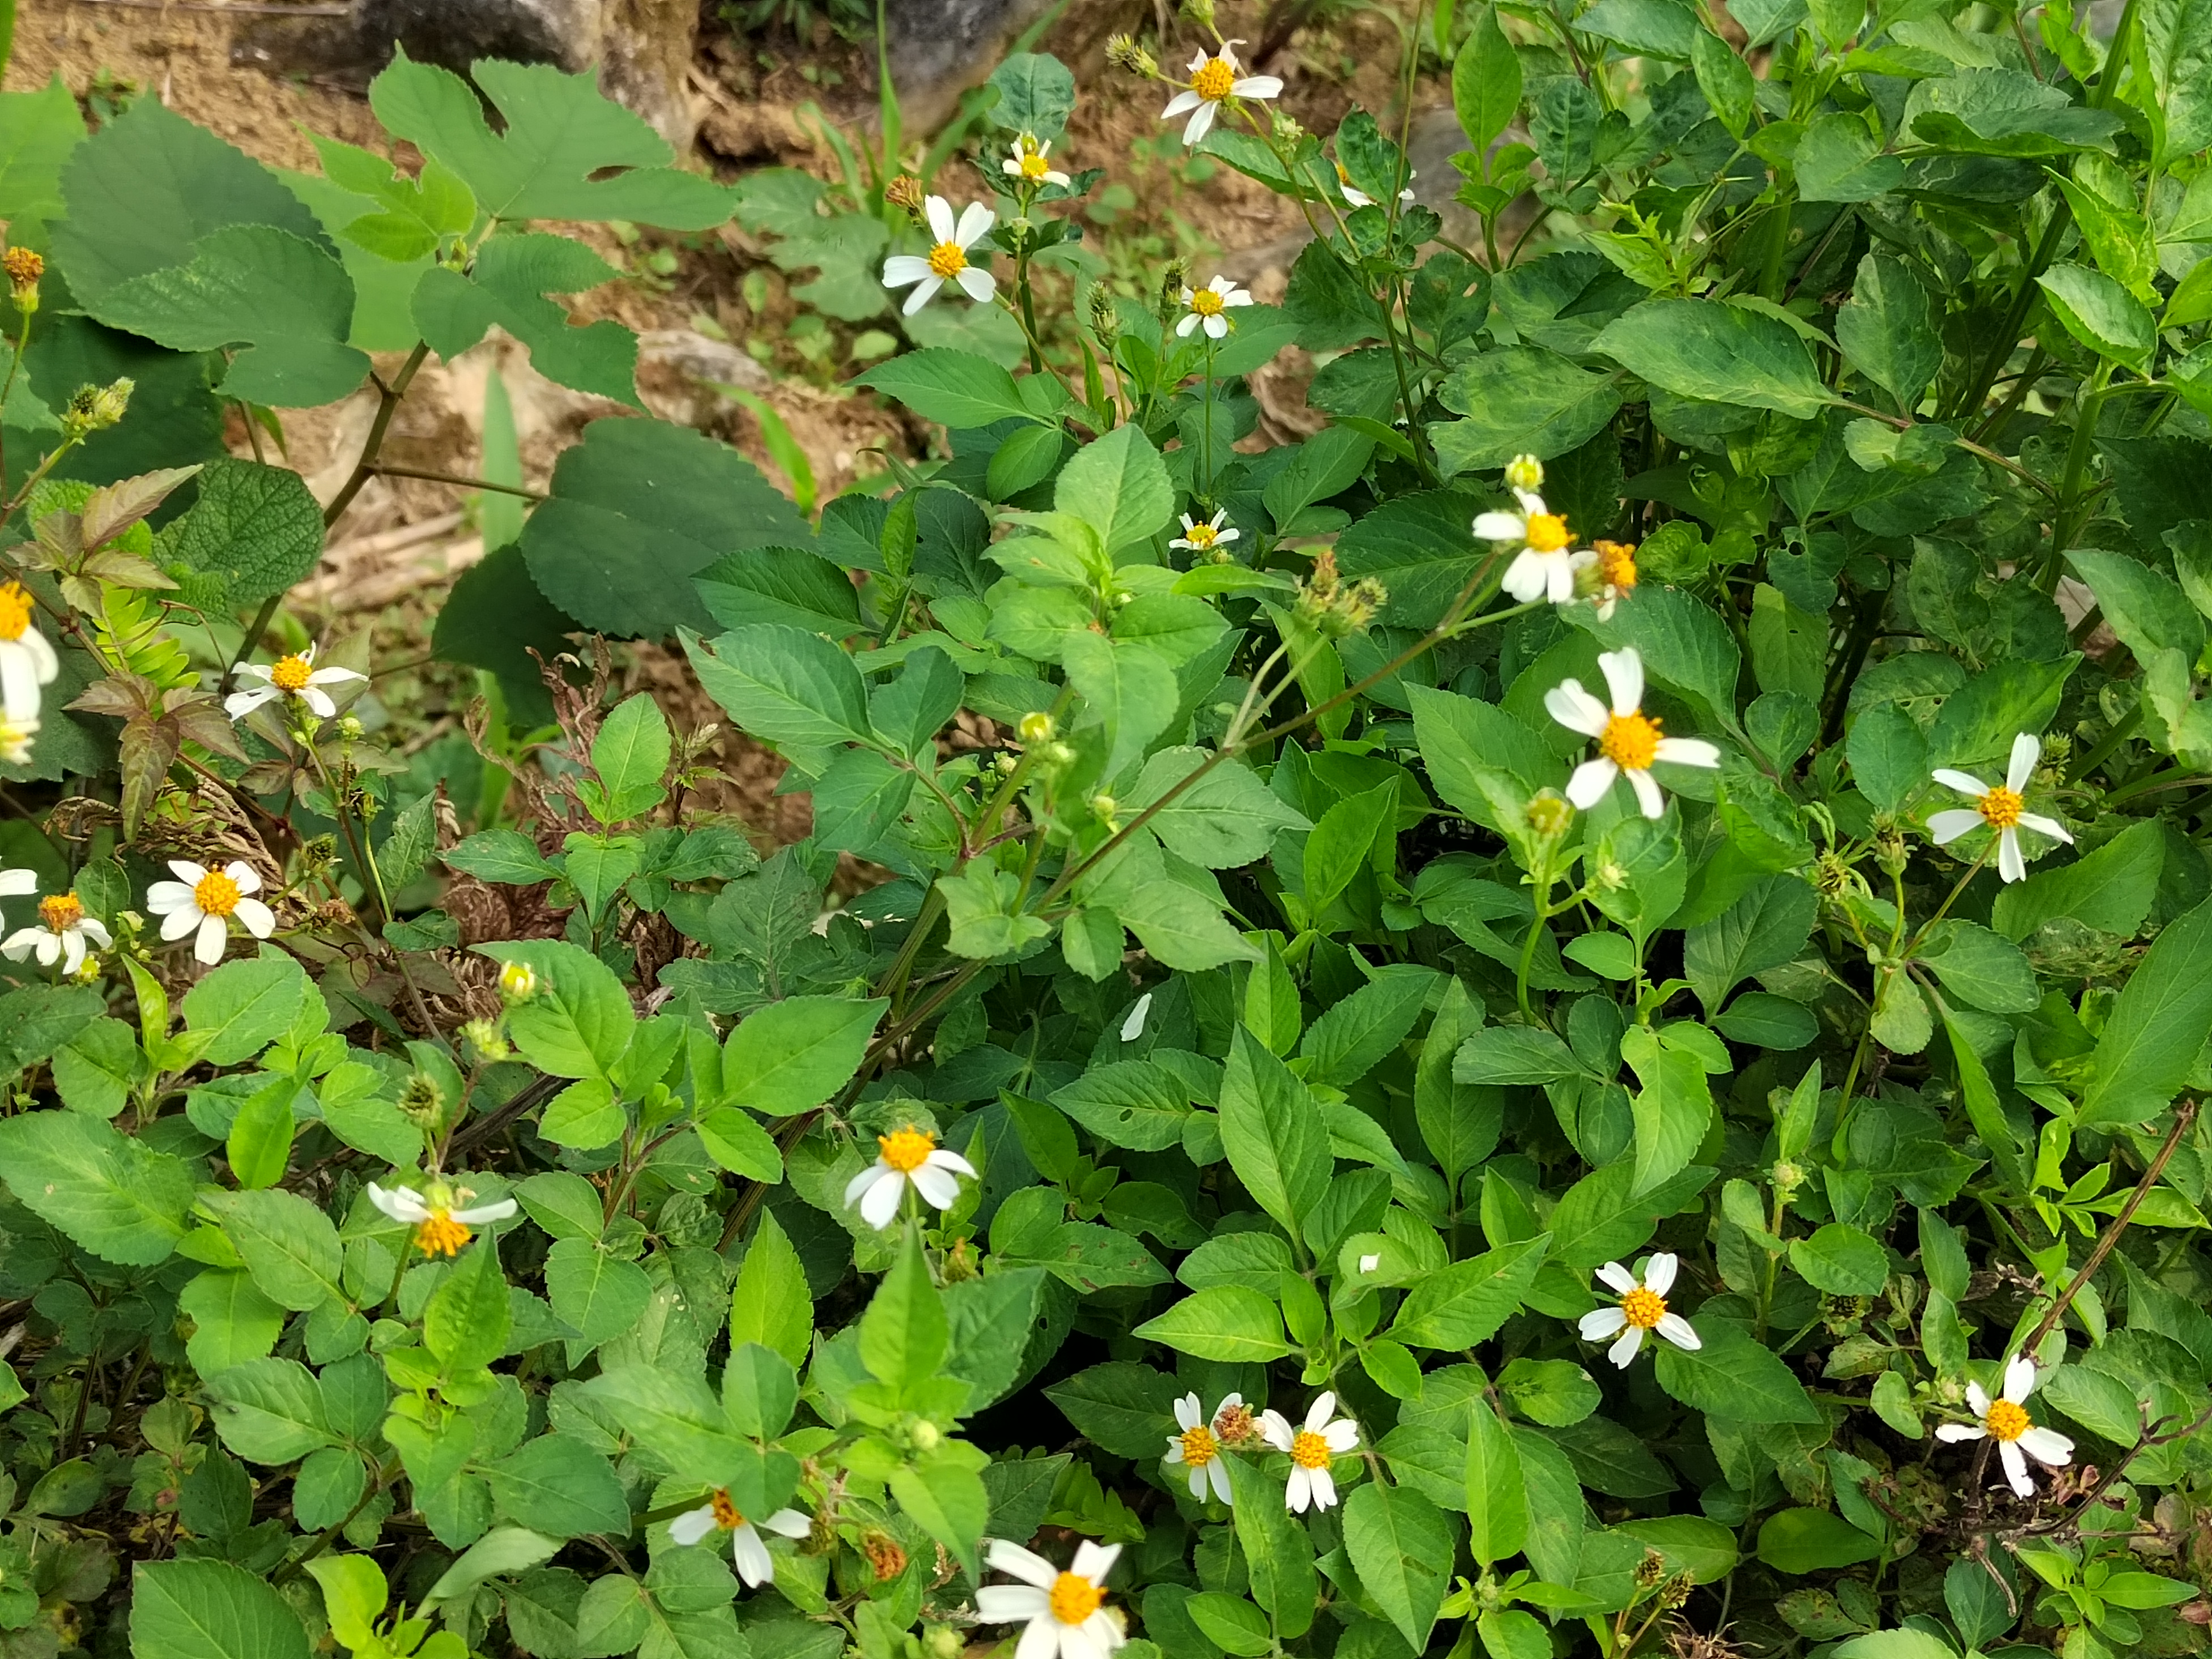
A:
1197,1448
295,676
206,899
1311,1449
1604,573
1206,308
2005,1420
906,1156
62,931
1545,569
1360,198
1066,1612
947,260
1204,535
1998,806
1628,740
441,1227
1025,161
1213,79
26,660
718,1514
1642,1308
16,740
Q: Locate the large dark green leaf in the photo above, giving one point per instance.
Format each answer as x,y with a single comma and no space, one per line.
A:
1517,400
1720,353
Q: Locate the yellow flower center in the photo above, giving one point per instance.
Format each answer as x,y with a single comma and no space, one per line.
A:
1309,1450
1199,1448
438,1233
1034,166
291,674
1547,532
1214,80
1074,1598
216,894
1201,536
62,912
906,1150
14,610
1631,741
1206,302
1643,1309
947,260
1616,562
2000,808
2006,1421
725,1513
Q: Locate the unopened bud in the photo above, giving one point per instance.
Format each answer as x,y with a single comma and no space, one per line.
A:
1006,766
1285,127
1788,1177
1200,12
1103,807
1037,726
518,982
943,1642
486,1036
350,728
1175,277
1525,472
422,1104
1123,52
1550,814
24,268
925,1436
95,408
1105,319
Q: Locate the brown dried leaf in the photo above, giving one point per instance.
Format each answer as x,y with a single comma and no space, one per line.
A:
114,508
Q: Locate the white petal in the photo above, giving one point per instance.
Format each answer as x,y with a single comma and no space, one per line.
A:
1094,1561
1218,1472
1229,53
13,884
1258,86
939,1188
1624,676
2043,826
2011,865
238,704
2018,1379
2048,1446
256,918
319,700
1133,1027
1978,1400
1599,1323
181,922
1615,1277
1201,123
207,947
1197,1474
1559,577
1499,527
1042,1640
95,932
1298,1492
18,682
903,268
19,945
1059,178
1951,1433
1624,1350
51,945
2015,1468
861,1184
789,1523
1010,1604
1531,502
164,897
923,293
976,222
478,1214
1011,1558
1324,1489
1318,1413
243,875
938,212
1679,1331
1184,328
1233,295
2026,748
755,1565
1647,793
42,655
1659,1272
1174,1455
1965,782
881,1201
1216,327
1688,751
1944,827
1189,1412
1341,1436
1575,708
1276,1429
942,1159
977,284
1590,782
1526,577
1227,535
1181,104
188,872
692,1525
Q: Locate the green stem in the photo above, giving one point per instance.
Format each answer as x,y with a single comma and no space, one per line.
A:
1029,309
1528,948
2122,730
2087,406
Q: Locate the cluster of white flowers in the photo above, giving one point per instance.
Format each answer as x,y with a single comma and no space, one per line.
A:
1201,1444
1549,565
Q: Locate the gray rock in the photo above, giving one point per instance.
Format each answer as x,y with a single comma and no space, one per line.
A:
940,48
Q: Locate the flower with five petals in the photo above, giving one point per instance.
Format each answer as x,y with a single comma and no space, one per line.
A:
1628,740
1998,806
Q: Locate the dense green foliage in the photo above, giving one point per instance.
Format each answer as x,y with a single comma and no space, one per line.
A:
1292,1137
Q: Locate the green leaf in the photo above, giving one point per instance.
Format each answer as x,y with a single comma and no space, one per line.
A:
1037,94
1890,328
1417,547
2110,889
770,1303
1841,1260
1224,1321
1516,400
991,1321
118,1197
287,1244
244,1005
904,1334
1503,1054
1672,1109
1803,1540
565,151
784,686
1765,928
1119,486
1888,756
1840,160
1724,78
509,287
269,1411
210,1609
1497,1493
1596,1221
493,617
1136,1105
233,1322
597,1295
1227,818
2177,45
1683,644
1734,1378
466,1321
2004,112
1980,968
792,1055
785,585
38,131
560,1488
1275,1138
1124,1408
1466,1302
636,510
1130,688
949,1501
1486,82
1720,353
1355,1036
2100,314
1230,1622
955,389
630,755
2156,1029
1277,1552
1401,1544
579,1022
679,1420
